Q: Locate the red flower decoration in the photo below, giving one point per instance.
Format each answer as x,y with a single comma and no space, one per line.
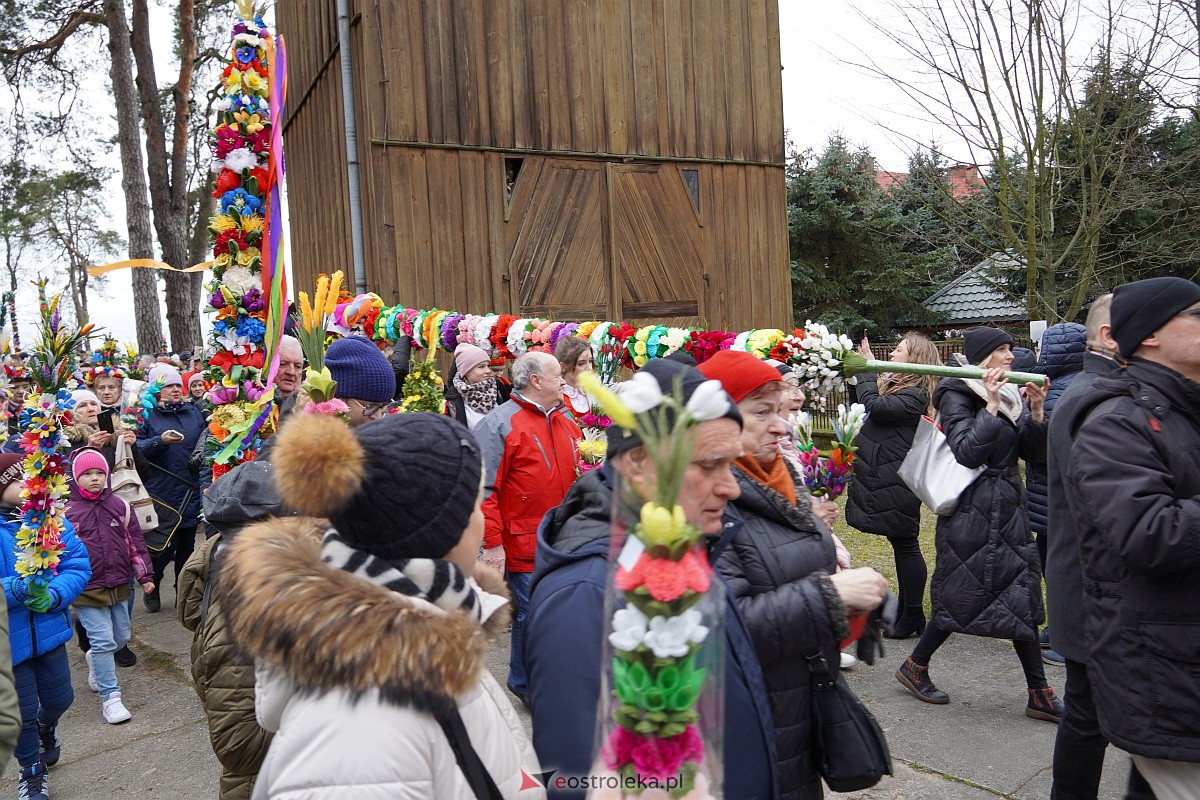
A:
664,579
227,181
499,336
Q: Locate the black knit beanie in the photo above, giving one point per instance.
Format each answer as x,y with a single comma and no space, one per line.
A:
978,343
1142,307
421,477
665,372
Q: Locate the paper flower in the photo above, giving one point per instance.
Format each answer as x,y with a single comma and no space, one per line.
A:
672,637
629,629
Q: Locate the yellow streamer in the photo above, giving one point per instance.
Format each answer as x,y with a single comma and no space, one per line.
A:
147,263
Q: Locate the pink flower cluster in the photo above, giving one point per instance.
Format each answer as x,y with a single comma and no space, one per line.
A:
658,759
591,420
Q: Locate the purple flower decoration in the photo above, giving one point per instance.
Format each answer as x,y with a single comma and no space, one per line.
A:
567,329
246,54
449,330
252,301
216,300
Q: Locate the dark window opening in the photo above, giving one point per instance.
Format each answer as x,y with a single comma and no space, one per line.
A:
512,171
691,177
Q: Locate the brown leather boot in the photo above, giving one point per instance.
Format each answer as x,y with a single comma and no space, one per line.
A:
915,678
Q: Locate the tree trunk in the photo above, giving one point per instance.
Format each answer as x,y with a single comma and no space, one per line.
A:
168,170
133,178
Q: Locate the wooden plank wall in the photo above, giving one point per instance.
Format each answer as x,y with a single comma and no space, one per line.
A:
689,79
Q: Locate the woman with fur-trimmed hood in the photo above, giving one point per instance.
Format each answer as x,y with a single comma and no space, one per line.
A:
368,621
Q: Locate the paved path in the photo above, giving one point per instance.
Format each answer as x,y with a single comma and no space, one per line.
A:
979,746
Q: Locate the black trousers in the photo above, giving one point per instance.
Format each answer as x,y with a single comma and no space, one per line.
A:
179,549
1079,746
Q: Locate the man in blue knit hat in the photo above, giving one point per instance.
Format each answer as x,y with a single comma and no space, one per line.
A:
365,379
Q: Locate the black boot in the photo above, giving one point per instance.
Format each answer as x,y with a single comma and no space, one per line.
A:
915,678
911,622
1044,704
125,657
152,601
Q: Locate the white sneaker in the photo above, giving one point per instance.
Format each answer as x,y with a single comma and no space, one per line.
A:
114,710
848,661
95,687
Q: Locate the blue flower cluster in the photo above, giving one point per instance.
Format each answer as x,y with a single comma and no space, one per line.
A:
243,201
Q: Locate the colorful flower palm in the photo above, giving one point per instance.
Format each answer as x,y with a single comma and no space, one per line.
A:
44,491
829,476
247,285
663,646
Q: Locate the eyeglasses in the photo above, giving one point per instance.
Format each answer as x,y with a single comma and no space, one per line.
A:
378,409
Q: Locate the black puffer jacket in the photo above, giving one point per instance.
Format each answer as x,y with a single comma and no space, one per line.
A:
1061,360
1133,484
777,568
879,502
987,580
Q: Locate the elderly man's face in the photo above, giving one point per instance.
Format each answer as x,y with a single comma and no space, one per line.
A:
291,370
708,484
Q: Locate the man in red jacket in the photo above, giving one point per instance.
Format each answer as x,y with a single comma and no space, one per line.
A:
530,452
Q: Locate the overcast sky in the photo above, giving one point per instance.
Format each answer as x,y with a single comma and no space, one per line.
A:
821,95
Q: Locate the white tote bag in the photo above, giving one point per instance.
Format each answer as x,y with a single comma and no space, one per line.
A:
932,472
127,484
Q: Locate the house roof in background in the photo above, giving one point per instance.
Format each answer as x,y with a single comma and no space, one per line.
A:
973,297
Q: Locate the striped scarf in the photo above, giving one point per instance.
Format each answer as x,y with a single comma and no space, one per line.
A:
431,579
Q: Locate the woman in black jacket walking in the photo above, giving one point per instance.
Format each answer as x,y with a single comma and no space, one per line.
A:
879,502
781,569
987,580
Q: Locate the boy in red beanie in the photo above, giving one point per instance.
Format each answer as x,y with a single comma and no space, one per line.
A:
105,524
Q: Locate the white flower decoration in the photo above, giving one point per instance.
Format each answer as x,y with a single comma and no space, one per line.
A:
240,159
482,332
641,393
671,638
629,629
709,401
239,280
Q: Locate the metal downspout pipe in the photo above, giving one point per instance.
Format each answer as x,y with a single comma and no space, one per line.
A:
350,127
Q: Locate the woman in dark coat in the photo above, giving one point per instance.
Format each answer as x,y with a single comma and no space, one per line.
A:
987,580
879,502
167,439
782,570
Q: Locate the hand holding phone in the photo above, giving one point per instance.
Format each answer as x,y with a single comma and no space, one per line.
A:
106,421
172,437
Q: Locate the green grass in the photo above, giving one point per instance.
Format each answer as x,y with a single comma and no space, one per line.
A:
871,550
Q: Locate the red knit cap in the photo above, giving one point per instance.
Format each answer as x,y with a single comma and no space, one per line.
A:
739,372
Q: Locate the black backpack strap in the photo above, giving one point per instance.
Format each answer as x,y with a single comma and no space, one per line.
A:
479,779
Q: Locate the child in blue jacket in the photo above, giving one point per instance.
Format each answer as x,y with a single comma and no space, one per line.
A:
38,628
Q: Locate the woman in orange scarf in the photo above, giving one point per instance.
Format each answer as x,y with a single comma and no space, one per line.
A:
781,566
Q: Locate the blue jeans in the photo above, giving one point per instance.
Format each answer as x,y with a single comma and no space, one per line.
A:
44,689
518,584
108,630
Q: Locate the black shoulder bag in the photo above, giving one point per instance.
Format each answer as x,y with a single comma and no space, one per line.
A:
850,748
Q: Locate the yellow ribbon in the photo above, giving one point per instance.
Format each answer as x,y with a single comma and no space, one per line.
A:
148,263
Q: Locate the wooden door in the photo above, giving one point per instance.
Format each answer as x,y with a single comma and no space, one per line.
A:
656,245
593,240
555,240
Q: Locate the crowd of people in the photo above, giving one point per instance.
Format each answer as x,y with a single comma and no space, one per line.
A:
351,577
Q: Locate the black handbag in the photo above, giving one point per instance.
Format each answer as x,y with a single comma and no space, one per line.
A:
850,748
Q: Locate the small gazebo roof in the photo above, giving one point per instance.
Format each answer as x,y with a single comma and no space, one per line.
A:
976,297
